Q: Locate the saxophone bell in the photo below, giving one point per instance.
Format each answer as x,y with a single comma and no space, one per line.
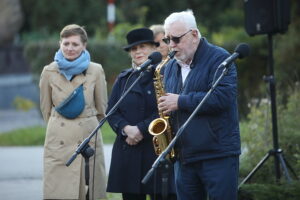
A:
158,126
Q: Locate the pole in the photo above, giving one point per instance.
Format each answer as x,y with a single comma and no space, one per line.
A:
111,14
273,105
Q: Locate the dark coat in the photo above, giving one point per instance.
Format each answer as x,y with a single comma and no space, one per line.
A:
129,164
214,130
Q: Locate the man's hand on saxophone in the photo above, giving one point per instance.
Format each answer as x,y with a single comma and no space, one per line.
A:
168,103
134,135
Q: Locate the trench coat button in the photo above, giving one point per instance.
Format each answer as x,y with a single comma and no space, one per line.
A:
61,142
62,124
149,92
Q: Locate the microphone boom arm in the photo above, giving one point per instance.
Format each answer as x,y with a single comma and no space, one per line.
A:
153,58
85,142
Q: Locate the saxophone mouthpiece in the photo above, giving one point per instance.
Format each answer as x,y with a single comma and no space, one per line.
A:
172,54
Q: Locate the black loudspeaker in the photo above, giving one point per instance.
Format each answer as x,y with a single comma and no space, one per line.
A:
266,16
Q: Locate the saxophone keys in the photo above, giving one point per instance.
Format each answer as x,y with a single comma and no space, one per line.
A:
155,142
158,151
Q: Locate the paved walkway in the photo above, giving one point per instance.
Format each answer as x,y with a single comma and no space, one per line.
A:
21,167
12,119
21,172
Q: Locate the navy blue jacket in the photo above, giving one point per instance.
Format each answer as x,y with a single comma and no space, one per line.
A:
214,130
129,164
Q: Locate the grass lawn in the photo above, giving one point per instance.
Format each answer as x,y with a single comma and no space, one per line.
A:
34,136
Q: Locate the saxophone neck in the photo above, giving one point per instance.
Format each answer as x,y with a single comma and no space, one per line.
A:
171,54
165,61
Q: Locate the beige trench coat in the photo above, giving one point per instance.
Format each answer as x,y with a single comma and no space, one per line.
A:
63,135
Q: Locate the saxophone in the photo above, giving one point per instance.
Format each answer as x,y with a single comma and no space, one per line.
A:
160,127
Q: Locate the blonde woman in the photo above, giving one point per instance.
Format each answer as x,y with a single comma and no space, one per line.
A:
73,99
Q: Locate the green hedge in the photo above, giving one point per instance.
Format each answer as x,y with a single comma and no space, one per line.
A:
35,136
111,55
257,140
270,191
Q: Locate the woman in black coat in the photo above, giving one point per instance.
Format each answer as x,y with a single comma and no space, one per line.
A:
133,152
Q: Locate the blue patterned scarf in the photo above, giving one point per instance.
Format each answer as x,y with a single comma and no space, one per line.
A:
74,67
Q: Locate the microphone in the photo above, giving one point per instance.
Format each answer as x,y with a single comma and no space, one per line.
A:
153,59
241,51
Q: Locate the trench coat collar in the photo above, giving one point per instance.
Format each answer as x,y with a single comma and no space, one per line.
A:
67,86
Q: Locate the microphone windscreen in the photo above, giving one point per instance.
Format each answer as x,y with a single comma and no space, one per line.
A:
243,50
155,57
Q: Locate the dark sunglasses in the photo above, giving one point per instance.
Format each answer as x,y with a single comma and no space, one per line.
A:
176,40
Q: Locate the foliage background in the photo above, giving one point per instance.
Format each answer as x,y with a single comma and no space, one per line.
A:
221,22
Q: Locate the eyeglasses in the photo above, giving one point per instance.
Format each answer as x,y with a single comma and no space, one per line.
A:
176,40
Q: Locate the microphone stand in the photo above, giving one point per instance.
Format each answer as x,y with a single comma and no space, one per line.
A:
87,153
162,157
164,167
276,151
84,148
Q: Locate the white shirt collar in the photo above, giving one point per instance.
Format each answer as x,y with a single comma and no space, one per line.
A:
185,69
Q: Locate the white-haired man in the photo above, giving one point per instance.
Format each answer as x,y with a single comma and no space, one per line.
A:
208,150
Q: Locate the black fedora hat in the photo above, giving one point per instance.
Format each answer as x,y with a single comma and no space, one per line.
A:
139,36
